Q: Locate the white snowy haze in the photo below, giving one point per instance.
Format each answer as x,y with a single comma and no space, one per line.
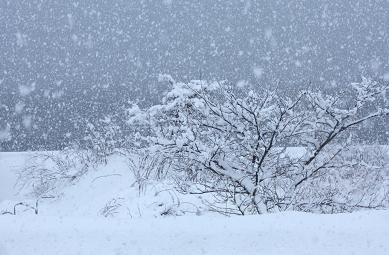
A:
64,60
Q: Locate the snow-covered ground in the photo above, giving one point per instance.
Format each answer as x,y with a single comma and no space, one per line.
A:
107,212
286,233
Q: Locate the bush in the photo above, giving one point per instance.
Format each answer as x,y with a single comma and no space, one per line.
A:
47,172
259,151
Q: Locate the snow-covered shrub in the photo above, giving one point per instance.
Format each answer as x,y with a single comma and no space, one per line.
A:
146,166
46,173
358,178
102,138
259,151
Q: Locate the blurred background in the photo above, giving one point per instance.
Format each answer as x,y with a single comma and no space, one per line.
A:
62,62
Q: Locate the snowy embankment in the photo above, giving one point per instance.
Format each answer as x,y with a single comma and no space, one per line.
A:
108,212
285,233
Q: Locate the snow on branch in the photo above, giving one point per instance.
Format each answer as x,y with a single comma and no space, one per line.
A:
264,151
